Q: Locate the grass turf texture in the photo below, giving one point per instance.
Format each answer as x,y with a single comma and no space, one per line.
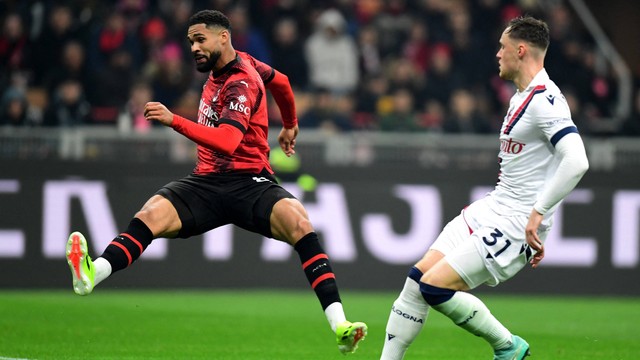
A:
290,325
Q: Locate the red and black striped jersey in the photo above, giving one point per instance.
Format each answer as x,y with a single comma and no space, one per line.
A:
233,96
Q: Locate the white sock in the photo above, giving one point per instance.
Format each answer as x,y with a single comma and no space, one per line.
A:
335,315
471,314
408,316
103,269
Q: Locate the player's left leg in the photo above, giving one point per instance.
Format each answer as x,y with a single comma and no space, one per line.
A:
289,222
443,288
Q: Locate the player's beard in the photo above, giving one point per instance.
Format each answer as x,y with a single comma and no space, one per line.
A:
210,63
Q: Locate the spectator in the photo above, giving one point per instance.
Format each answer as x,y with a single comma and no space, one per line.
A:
13,108
70,107
153,37
471,56
51,45
441,78
417,47
113,37
402,116
369,51
325,114
14,48
173,78
245,37
404,75
72,66
288,53
112,84
432,116
463,115
132,116
393,25
373,89
332,55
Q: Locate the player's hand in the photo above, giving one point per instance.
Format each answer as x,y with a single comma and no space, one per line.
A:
287,140
531,233
158,112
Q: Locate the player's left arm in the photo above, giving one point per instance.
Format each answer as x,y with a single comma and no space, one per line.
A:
573,164
280,87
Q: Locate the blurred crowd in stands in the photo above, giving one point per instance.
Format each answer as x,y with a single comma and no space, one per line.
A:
392,65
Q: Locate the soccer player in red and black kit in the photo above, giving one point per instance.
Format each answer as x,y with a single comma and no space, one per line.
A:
232,182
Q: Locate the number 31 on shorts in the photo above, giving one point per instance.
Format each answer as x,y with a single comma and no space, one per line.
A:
496,241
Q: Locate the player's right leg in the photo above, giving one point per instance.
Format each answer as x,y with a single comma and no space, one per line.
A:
407,318
124,249
82,269
85,273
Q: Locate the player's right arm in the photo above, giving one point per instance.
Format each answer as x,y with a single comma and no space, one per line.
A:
224,139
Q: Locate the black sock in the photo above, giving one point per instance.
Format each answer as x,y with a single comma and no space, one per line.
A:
317,268
128,246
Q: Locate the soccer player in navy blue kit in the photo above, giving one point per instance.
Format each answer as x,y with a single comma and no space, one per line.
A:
232,182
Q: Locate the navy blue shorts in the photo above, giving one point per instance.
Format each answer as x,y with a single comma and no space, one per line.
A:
205,202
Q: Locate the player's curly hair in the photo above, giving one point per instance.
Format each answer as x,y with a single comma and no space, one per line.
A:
529,29
210,18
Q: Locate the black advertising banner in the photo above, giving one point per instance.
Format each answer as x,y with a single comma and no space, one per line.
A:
374,222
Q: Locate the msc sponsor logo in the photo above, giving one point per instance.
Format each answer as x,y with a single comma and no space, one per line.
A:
511,147
406,316
239,105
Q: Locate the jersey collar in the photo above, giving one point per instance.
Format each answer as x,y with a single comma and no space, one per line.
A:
226,68
541,78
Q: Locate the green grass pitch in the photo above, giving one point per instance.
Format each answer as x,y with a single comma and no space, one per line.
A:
263,325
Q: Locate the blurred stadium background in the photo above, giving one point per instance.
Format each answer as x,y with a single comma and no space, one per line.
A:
398,110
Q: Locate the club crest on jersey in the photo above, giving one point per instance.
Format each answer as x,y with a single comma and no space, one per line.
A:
206,115
511,147
239,105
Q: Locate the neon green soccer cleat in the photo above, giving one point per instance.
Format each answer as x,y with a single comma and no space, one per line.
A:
348,335
518,350
79,261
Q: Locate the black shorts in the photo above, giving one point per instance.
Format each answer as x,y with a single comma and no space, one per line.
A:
205,202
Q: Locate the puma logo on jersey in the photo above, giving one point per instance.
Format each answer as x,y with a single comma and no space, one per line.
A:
215,98
260,179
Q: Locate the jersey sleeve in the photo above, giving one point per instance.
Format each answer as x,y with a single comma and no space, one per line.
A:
240,99
265,71
280,88
554,117
283,95
224,139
